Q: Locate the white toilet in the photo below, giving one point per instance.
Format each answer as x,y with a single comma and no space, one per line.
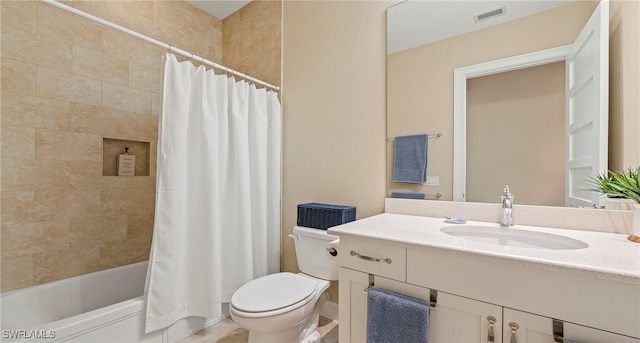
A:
285,307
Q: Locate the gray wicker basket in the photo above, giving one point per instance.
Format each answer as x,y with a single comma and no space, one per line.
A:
324,216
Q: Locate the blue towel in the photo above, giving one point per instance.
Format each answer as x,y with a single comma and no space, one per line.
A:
396,318
410,159
407,195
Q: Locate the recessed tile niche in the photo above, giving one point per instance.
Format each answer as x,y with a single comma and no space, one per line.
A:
111,148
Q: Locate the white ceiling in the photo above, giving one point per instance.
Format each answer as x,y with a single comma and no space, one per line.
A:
219,8
413,23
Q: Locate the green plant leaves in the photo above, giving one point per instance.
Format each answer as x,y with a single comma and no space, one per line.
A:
619,184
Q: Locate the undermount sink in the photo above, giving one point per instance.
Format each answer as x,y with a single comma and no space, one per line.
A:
514,237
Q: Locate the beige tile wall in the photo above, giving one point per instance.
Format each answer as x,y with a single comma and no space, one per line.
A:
66,84
252,40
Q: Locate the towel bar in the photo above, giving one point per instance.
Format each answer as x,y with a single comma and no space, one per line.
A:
430,135
433,294
433,299
436,195
558,331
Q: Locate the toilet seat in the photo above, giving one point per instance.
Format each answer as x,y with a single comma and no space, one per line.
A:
273,292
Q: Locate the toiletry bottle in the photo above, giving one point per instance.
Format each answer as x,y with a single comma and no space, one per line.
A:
126,163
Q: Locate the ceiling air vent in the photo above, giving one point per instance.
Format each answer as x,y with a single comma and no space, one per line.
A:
491,14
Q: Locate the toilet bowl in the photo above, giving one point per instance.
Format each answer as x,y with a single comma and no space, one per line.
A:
285,307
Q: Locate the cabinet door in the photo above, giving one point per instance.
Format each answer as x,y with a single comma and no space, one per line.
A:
353,305
523,327
579,333
455,319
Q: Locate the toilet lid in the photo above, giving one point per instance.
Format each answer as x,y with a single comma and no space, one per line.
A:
272,292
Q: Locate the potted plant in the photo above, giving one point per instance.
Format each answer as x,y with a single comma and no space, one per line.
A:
622,185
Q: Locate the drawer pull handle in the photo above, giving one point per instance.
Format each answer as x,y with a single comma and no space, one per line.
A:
491,338
371,259
514,327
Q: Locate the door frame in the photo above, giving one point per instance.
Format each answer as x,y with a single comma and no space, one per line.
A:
460,77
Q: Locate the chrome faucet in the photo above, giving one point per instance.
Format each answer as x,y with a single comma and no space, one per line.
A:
506,219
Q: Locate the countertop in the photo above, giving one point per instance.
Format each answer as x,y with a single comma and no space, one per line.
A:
609,255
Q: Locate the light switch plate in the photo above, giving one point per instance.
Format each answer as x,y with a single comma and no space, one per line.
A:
432,181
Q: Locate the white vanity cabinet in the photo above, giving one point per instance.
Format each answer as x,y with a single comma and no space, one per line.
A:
592,309
454,319
473,288
531,328
352,305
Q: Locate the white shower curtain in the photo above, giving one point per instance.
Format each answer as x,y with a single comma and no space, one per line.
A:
217,221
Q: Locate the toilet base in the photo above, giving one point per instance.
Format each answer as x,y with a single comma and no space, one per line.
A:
304,332
288,335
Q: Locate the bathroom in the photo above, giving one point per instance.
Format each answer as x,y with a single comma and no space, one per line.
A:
333,98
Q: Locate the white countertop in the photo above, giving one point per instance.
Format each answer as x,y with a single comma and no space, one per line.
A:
609,255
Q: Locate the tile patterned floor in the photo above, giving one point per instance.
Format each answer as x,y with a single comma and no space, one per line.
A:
227,331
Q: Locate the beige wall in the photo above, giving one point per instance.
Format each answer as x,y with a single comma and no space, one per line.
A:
624,85
334,108
420,99
515,124
66,84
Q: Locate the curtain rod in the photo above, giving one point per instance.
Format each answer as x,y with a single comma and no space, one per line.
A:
156,42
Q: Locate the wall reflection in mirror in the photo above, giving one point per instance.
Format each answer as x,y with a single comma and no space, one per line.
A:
515,132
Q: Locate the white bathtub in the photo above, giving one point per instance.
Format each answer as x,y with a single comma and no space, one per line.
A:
105,306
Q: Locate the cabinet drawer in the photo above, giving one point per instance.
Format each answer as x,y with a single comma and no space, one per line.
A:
374,257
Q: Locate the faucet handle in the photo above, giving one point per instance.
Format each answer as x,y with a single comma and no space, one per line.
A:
507,202
506,192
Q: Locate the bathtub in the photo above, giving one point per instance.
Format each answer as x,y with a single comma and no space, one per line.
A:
105,306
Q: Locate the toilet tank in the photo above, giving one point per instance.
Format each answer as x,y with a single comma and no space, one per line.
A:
311,253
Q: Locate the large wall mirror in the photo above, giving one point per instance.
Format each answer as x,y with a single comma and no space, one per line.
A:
515,119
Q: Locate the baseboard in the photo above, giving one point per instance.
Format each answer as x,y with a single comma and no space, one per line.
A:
330,310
